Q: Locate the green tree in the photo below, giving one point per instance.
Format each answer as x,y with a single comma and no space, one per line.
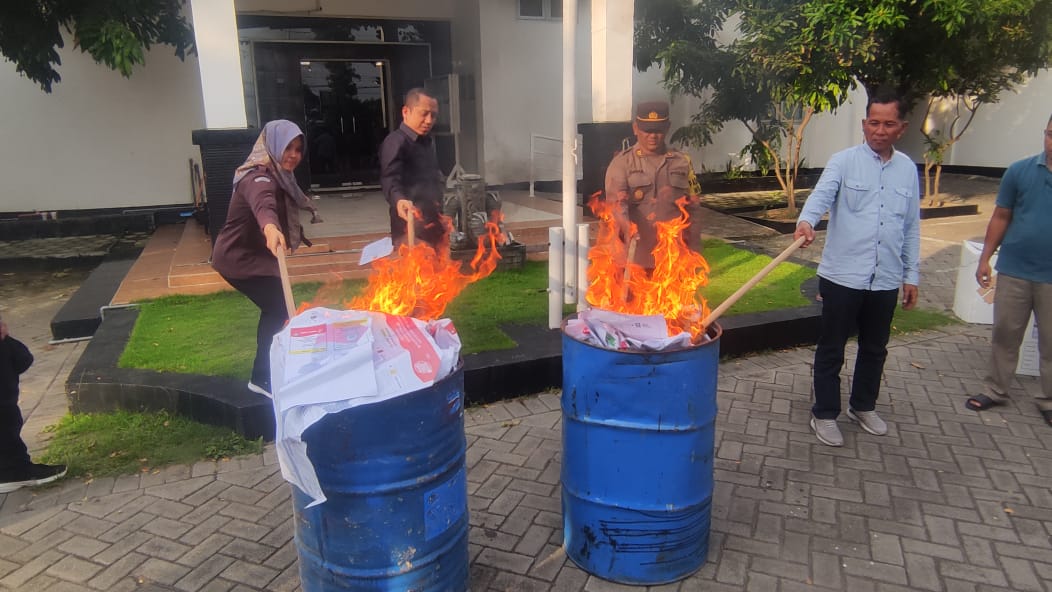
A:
788,60
955,56
751,62
116,33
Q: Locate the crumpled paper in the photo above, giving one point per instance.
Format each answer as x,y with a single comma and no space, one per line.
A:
325,361
625,332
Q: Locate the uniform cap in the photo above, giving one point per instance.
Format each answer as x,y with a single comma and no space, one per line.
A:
652,116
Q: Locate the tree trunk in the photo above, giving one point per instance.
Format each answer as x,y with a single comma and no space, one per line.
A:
938,174
927,180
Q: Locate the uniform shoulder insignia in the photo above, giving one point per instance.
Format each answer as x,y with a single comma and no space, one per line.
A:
262,179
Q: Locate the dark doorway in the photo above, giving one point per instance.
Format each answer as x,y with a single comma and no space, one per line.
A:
345,107
317,85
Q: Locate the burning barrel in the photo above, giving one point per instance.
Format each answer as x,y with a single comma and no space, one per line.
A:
637,465
396,517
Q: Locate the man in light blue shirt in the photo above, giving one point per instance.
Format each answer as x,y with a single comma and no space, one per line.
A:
872,194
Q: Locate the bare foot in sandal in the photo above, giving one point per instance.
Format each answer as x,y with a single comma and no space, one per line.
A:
982,402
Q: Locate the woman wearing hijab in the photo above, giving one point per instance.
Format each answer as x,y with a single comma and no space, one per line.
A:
263,220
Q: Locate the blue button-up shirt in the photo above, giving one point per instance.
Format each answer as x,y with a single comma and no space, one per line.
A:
873,237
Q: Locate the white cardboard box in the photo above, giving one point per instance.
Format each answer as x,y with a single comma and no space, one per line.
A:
972,303
1029,363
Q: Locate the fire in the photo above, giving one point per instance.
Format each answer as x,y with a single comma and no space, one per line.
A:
671,290
421,281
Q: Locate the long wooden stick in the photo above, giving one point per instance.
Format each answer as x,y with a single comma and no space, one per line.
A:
410,223
629,261
729,302
286,285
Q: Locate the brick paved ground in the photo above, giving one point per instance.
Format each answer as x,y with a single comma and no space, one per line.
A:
949,500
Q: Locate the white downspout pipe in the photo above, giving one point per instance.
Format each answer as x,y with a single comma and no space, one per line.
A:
569,153
555,277
583,243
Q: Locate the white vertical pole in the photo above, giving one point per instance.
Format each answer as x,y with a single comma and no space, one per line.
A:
533,173
219,63
569,150
555,277
583,242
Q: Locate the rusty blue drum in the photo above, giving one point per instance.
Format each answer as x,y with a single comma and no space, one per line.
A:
396,517
637,468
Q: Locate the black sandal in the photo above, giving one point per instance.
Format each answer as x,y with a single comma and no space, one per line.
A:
983,402
1045,408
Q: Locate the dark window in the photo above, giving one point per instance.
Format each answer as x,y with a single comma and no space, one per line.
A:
556,9
531,8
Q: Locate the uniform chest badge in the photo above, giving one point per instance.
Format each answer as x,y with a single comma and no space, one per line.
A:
639,193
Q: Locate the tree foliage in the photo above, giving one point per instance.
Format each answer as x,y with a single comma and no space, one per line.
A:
803,56
116,33
936,47
749,62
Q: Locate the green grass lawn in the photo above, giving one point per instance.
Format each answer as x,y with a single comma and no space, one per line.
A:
120,443
215,334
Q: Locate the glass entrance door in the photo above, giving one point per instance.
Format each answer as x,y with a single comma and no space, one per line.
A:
344,103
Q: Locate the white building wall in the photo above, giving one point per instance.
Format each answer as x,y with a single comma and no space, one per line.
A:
1009,130
826,134
103,141
99,140
521,83
467,60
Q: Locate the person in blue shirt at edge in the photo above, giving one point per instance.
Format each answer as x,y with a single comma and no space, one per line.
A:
1019,225
872,194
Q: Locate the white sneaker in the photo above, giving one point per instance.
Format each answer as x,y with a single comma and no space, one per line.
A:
869,420
258,389
827,431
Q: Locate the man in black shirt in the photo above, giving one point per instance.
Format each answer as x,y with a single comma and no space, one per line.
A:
409,173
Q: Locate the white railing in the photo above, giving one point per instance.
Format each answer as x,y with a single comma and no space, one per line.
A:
555,145
552,150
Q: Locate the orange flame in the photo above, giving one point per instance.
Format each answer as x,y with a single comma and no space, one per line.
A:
670,290
421,281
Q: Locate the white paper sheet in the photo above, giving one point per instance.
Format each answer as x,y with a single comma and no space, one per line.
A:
325,361
376,249
625,332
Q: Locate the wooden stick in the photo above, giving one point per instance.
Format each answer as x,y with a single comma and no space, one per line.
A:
411,226
729,302
286,285
630,260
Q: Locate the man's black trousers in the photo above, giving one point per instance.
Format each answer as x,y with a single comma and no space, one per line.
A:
844,311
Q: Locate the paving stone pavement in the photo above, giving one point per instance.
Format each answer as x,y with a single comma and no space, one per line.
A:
948,501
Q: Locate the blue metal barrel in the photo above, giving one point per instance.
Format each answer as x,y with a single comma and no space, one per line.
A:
637,466
396,517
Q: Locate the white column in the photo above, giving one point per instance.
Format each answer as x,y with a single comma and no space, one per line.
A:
569,152
612,60
219,60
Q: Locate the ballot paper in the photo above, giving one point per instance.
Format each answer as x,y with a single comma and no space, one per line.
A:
376,249
625,332
325,361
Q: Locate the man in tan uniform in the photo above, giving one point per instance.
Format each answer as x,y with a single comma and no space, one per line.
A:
644,182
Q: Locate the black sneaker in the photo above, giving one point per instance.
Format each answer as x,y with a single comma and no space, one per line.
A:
29,476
